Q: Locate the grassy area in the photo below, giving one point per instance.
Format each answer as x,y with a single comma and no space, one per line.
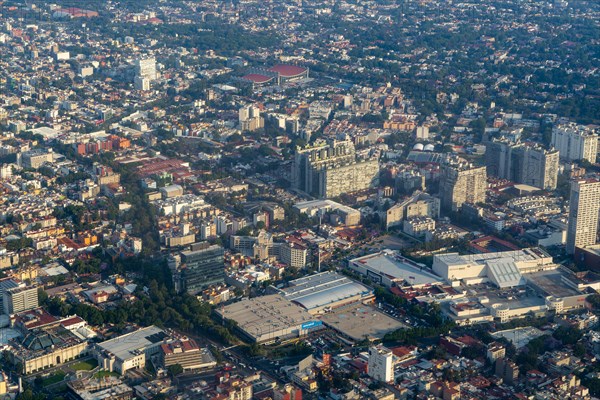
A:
54,378
86,365
102,374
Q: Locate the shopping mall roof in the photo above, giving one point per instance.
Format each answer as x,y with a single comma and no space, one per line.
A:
323,289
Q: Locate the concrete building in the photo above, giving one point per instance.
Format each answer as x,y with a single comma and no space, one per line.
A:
348,215
250,118
418,226
504,268
422,133
420,204
507,370
523,163
46,347
460,183
146,68
198,268
381,364
328,170
390,269
269,318
130,351
36,158
186,353
293,254
141,83
584,206
575,142
19,299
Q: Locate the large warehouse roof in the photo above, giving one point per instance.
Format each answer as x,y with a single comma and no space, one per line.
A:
321,290
261,315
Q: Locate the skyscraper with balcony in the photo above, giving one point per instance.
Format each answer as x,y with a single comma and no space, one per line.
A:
461,182
575,142
523,163
584,207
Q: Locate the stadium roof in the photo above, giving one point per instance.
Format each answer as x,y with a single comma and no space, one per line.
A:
287,70
257,78
321,290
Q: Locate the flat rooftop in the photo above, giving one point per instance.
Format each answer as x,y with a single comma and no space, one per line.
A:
321,290
519,336
359,320
124,347
397,267
551,282
271,313
530,254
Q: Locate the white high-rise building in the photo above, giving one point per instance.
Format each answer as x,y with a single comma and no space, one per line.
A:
575,142
381,364
146,68
584,206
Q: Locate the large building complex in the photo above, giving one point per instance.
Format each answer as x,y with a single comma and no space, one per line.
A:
130,351
269,318
390,269
575,142
504,269
420,204
47,347
197,268
460,183
347,215
324,291
328,170
523,163
584,207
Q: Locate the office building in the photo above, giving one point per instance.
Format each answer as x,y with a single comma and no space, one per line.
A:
198,268
381,364
36,158
460,183
130,351
146,68
330,169
575,142
584,206
186,353
523,163
19,299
